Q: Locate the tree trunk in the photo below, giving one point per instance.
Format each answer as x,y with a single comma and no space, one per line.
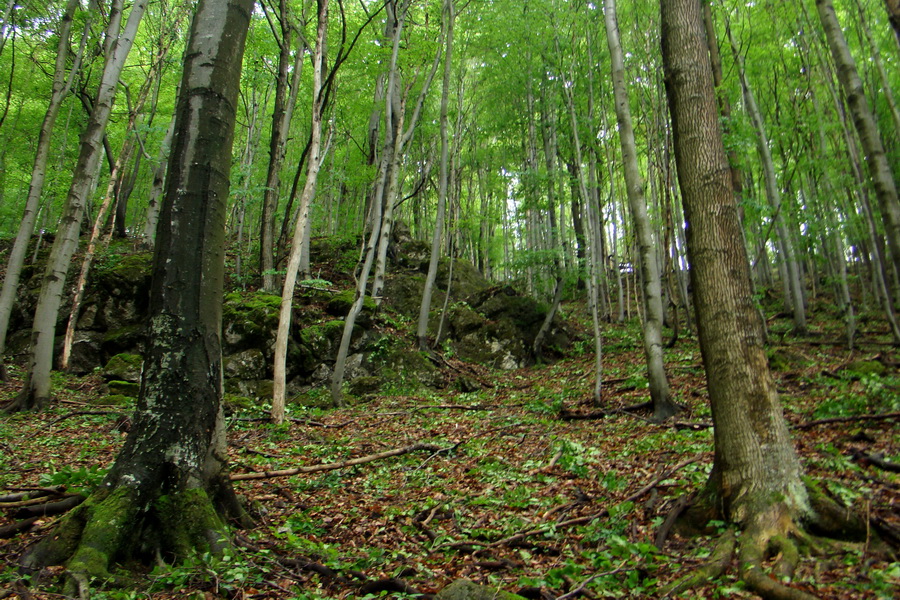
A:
756,474
277,142
156,188
663,407
37,386
893,10
168,490
863,119
793,291
62,83
428,290
300,227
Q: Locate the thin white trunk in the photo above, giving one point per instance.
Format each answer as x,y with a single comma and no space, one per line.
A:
62,83
37,387
300,227
663,407
425,306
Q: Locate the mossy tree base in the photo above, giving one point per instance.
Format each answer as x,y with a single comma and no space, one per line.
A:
776,533
123,524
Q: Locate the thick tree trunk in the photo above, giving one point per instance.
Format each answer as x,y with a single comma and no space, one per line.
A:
663,407
37,386
756,474
870,138
62,83
169,488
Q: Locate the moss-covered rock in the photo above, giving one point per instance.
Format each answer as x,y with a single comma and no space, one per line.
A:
362,386
467,280
863,368
340,304
123,339
233,403
124,367
111,400
247,364
464,589
249,320
124,388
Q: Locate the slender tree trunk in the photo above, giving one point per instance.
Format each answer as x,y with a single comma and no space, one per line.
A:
276,153
756,474
156,188
449,14
316,155
663,407
168,490
793,285
863,119
37,386
893,10
62,83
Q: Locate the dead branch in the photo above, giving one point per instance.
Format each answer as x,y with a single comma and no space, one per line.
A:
339,465
32,501
50,508
883,417
81,413
876,460
7,531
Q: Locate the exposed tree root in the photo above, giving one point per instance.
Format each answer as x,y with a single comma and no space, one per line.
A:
120,523
784,539
718,563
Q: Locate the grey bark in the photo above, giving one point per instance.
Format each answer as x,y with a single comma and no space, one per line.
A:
316,154
449,14
791,280
663,407
62,83
864,121
37,386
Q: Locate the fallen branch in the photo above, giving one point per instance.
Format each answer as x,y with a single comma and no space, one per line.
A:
810,424
50,508
32,501
581,587
876,460
82,413
339,465
7,531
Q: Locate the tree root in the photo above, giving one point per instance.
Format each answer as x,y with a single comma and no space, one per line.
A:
718,564
751,553
120,523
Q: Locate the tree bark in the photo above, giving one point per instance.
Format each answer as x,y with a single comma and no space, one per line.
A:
169,488
36,391
62,83
663,407
755,479
793,286
864,121
300,227
428,290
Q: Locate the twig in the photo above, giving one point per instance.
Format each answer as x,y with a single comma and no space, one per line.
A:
80,413
577,591
340,465
810,424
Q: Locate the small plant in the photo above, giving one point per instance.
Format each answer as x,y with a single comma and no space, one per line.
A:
81,480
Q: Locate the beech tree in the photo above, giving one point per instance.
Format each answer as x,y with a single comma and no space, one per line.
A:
755,482
36,391
168,490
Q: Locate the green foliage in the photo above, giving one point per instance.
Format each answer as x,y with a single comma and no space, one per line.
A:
78,480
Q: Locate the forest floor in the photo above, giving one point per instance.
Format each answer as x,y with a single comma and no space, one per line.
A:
537,491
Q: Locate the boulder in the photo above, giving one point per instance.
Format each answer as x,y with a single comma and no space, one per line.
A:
124,367
464,589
